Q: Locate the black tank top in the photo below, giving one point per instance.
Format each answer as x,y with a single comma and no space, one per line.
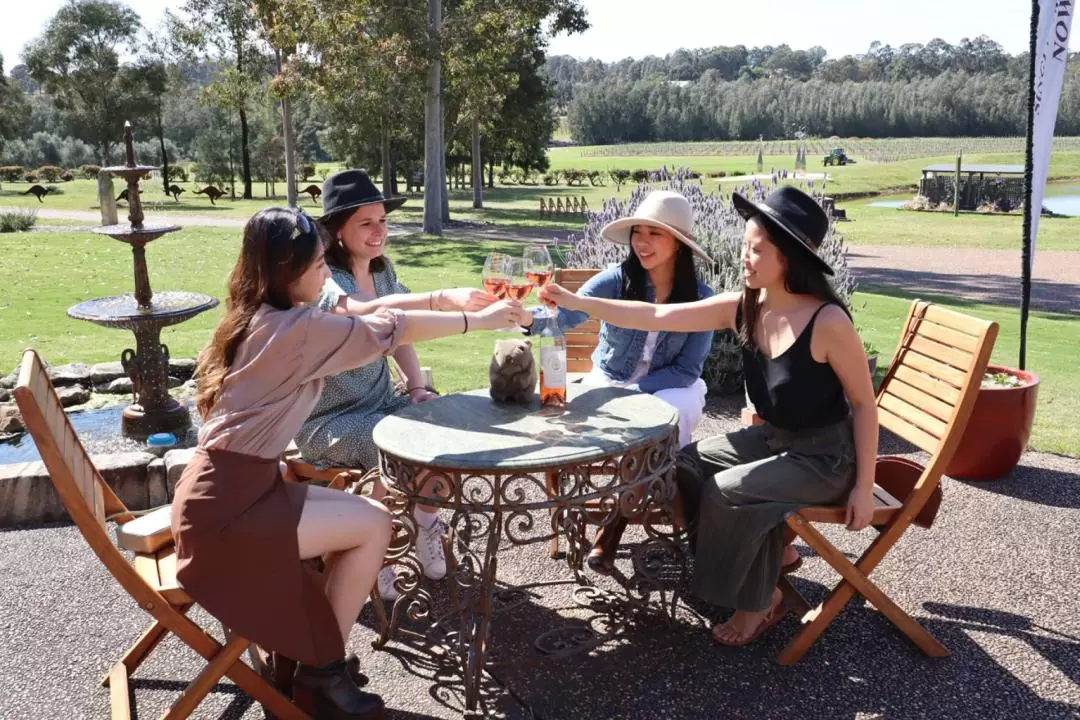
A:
793,390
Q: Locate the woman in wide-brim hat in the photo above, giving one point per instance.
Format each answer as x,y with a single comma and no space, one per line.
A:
659,268
338,433
806,374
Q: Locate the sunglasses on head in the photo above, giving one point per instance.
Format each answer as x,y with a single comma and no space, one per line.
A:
304,224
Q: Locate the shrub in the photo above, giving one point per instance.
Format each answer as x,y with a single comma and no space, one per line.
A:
68,176
30,177
719,229
90,172
553,177
619,176
507,176
639,175
306,171
178,173
11,173
596,178
574,176
50,173
19,220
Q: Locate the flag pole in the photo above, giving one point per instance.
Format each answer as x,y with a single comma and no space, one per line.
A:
1029,172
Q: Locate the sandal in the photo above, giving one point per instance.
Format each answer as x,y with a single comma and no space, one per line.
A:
774,616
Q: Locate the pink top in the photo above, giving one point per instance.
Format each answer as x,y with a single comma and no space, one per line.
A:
276,377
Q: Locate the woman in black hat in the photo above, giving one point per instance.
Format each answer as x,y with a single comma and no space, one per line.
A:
338,431
807,376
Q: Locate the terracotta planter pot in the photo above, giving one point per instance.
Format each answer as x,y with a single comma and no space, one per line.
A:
998,430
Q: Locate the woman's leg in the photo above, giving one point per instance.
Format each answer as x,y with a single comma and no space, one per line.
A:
741,538
689,402
353,532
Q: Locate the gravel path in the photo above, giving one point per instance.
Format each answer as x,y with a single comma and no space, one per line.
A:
994,580
991,276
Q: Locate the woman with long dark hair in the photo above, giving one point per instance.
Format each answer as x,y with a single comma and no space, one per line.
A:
241,532
807,375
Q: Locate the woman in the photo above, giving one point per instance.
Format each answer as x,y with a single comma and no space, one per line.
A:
658,269
806,374
338,433
241,532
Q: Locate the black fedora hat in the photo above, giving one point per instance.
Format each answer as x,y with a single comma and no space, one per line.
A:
796,214
351,189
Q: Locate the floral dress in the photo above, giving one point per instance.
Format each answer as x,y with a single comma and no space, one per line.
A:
338,431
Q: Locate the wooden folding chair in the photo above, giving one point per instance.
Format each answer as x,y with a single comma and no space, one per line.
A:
150,579
926,398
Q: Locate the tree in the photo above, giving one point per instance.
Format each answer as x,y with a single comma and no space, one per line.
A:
226,29
77,62
14,110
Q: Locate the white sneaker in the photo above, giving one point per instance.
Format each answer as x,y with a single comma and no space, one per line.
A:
429,550
386,579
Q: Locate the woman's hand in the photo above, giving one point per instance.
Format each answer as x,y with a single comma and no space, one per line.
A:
467,299
860,507
420,395
504,314
558,295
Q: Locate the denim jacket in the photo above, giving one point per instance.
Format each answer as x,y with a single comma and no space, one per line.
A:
678,359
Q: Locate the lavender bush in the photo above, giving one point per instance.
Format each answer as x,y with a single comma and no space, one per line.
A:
719,229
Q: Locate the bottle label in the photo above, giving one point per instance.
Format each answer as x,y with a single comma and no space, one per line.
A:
553,366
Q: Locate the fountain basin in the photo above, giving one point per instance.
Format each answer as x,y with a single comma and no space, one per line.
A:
124,312
124,232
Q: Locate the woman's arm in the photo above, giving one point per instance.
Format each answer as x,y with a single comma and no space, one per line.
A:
445,299
423,325
409,364
715,313
684,369
844,352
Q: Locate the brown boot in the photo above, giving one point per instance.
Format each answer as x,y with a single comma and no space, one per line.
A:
602,556
328,692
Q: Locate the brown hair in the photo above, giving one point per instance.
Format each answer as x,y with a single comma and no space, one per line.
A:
802,276
337,255
272,256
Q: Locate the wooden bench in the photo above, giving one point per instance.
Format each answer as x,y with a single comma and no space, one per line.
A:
926,398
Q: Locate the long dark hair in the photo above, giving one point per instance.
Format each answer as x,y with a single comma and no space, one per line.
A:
337,255
684,288
802,277
272,256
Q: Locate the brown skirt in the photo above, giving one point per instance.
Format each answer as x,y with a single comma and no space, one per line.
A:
237,555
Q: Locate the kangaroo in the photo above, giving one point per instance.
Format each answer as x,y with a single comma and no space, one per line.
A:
124,195
211,192
37,191
175,191
314,191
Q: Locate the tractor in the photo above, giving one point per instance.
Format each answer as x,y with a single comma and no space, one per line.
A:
837,156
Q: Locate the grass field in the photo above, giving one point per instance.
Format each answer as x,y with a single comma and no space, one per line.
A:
59,269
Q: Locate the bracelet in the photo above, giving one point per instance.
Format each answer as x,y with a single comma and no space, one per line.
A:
466,319
418,387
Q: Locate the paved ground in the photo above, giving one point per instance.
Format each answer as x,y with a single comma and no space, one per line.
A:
991,276
994,580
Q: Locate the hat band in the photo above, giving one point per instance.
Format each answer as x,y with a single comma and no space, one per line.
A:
796,231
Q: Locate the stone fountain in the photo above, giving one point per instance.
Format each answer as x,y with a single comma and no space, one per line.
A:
145,313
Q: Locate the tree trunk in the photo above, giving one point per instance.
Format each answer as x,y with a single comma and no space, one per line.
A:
245,155
433,173
442,162
477,167
290,142
164,155
387,171
491,173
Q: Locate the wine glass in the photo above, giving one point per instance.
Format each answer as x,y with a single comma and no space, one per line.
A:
538,267
496,274
521,283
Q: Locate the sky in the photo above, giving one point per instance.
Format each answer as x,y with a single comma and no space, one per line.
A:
636,28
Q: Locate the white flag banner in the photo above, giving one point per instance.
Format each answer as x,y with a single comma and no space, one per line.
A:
1052,43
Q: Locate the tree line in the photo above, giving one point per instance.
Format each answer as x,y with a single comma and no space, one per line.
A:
739,93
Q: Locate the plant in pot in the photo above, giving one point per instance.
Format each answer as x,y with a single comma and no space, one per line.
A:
997,432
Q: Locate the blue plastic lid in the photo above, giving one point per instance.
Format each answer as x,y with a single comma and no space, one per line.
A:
161,439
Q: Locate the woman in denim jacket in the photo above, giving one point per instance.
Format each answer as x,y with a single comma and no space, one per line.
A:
658,269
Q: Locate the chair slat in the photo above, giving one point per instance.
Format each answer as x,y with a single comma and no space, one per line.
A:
585,341
914,435
578,275
942,353
942,391
578,365
956,321
933,368
919,399
948,336
912,414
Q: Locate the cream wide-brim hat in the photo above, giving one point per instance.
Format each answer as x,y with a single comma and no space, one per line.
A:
664,209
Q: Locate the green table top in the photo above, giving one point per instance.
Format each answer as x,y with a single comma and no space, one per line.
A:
470,431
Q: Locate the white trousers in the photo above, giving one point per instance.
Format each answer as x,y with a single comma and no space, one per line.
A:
689,402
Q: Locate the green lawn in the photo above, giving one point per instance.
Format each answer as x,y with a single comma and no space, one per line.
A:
57,270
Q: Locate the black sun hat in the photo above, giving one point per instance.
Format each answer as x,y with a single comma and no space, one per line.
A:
352,189
795,213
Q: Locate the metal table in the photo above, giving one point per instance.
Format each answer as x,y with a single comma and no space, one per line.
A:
610,451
